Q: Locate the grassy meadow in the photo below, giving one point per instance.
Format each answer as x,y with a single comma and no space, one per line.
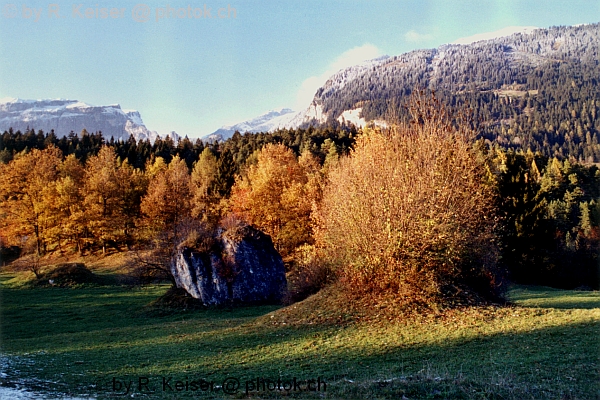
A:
93,341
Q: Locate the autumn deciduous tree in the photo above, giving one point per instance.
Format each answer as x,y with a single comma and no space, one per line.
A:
166,209
204,186
277,194
167,201
132,185
408,212
28,193
69,202
101,198
112,196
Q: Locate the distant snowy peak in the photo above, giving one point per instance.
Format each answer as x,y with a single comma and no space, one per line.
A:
134,116
268,119
271,120
345,94
449,67
285,118
65,116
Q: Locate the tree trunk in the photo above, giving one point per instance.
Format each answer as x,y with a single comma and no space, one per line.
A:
37,240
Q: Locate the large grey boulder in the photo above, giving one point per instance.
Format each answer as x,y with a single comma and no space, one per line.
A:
243,267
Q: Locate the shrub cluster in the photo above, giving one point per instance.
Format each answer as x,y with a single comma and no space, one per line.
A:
409,211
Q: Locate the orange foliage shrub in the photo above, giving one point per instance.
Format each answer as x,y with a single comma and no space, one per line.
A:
408,211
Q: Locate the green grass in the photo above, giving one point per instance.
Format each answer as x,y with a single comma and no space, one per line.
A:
545,297
76,341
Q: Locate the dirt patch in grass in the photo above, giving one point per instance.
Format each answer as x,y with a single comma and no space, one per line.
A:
115,263
75,275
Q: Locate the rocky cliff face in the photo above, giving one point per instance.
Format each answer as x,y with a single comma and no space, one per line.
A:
64,116
243,267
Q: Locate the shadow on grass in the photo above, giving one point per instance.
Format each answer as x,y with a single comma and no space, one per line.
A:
54,311
548,363
113,340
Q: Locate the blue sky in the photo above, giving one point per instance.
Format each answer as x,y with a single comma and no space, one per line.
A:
193,75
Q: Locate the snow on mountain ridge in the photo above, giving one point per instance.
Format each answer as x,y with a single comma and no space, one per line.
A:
345,76
285,118
262,119
513,45
134,116
64,116
508,31
267,122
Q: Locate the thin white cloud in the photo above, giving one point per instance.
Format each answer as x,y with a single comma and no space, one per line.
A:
413,36
509,30
354,56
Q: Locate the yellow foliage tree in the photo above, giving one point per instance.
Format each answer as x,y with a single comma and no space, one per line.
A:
101,196
69,202
167,201
203,180
277,195
132,186
166,209
27,195
112,193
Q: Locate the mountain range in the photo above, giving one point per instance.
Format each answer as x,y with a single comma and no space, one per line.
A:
539,67
66,116
286,118
509,66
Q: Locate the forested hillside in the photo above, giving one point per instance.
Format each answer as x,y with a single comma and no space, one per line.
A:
538,91
70,195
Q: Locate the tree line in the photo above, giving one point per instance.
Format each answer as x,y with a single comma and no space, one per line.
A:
83,194
88,192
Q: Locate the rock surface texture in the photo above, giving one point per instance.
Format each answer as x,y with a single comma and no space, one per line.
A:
64,116
243,267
